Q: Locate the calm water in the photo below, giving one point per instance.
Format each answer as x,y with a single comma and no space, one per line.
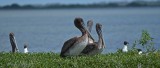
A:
46,30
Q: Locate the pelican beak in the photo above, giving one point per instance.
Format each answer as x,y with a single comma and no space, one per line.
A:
89,35
13,43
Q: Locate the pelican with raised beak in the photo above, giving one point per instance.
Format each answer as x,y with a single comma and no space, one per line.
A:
96,47
13,42
75,45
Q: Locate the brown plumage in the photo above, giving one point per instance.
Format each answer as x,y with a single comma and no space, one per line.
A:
13,42
96,47
89,26
75,45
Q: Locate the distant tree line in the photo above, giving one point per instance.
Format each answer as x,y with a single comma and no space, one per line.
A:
94,5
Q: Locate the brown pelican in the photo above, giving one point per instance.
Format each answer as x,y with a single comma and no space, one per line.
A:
25,48
75,45
13,42
125,47
89,26
96,47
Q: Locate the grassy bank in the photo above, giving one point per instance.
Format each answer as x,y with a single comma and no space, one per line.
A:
130,59
47,60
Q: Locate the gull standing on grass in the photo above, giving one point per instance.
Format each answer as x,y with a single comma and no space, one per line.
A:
125,47
25,48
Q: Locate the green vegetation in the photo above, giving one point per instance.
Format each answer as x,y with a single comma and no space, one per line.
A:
130,59
93,5
146,41
51,60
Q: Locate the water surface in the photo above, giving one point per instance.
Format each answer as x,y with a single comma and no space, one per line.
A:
47,30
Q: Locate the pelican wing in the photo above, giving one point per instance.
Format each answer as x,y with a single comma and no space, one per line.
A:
69,43
90,47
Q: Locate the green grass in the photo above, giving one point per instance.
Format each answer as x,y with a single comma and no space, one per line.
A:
52,60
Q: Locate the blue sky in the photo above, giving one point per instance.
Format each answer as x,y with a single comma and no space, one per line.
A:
22,2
